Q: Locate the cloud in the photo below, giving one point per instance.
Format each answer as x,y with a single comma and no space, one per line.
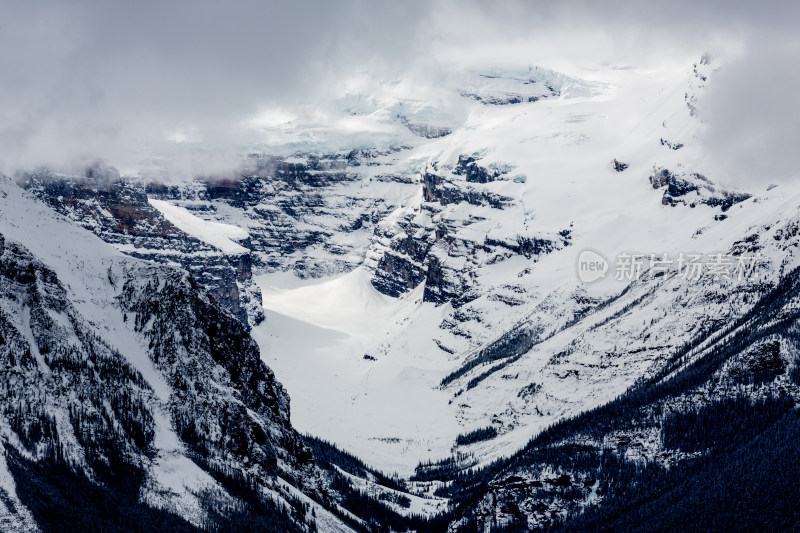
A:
134,81
116,78
752,114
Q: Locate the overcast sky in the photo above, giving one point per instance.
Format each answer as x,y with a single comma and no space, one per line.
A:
116,79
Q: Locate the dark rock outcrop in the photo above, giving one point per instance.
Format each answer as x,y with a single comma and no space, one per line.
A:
437,188
693,189
290,205
427,131
118,211
71,401
426,246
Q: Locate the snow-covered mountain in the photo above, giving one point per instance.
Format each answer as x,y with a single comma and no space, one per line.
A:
126,372
413,273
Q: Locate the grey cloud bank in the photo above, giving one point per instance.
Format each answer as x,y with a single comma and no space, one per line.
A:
117,80
752,115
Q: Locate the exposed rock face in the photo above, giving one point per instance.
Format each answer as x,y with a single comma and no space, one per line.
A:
72,399
430,244
671,144
117,211
692,189
468,167
190,343
425,130
441,189
403,267
68,395
132,397
309,214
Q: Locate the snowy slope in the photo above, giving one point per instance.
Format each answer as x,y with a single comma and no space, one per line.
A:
417,257
139,379
84,264
554,158
418,267
218,235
